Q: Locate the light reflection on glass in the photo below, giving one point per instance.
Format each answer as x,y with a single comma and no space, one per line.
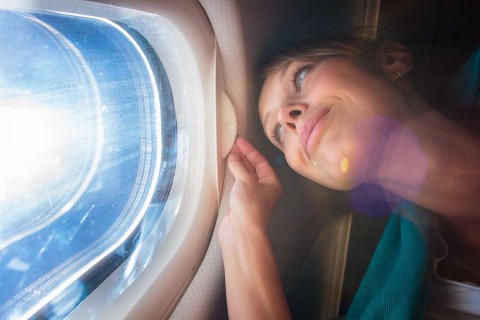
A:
44,104
81,145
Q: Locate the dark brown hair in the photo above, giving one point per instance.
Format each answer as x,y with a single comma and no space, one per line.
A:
316,49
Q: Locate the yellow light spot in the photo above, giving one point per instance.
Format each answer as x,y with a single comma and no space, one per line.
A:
344,165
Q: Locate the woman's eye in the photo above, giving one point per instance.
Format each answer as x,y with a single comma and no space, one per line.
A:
278,133
300,77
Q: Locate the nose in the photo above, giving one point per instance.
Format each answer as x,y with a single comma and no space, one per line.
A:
288,116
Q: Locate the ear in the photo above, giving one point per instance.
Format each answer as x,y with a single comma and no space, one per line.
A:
395,60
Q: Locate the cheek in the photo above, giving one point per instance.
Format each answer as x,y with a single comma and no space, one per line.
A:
336,163
295,160
325,167
352,154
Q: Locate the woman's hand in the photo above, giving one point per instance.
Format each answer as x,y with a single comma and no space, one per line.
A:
254,289
256,189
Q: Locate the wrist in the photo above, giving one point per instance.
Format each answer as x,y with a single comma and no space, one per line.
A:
234,234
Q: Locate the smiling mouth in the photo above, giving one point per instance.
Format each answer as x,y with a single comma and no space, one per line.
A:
311,127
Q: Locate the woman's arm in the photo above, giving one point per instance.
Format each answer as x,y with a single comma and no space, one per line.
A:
254,290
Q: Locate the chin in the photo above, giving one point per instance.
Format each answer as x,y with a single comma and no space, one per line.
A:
338,181
338,184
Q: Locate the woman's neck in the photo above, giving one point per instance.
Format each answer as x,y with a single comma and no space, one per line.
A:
434,162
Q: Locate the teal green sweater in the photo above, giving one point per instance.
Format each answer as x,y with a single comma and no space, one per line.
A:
396,284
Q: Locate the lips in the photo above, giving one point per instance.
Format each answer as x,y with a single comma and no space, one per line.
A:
311,127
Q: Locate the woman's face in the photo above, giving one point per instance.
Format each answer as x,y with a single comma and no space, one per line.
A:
331,119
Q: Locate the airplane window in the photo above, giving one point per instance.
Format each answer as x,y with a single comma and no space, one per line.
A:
88,139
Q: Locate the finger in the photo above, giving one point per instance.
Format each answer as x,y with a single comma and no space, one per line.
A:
244,160
266,174
237,167
263,169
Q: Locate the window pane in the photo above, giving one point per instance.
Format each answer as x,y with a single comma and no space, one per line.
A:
88,136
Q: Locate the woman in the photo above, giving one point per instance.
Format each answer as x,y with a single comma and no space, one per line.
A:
346,113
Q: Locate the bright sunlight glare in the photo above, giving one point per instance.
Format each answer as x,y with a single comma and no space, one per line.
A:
29,139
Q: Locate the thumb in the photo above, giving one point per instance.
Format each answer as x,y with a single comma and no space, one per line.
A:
237,167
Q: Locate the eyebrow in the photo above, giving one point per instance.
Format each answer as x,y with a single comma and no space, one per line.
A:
285,68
